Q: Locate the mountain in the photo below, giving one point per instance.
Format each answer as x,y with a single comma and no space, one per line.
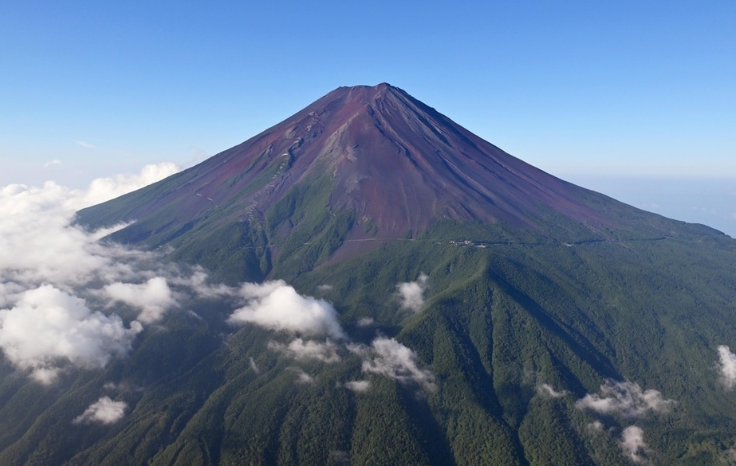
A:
469,309
359,165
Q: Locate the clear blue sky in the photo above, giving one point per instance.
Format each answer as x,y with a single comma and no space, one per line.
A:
576,88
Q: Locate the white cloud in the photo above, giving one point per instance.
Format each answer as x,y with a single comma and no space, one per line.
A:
301,350
38,245
392,359
46,265
358,386
357,348
728,456
365,322
52,163
727,366
104,189
103,411
86,145
197,283
595,426
303,378
152,298
625,399
548,391
253,365
412,293
339,457
48,326
633,446
278,306
121,387
324,287
52,197
45,249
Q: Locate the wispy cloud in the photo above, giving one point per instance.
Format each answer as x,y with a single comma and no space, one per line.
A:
390,358
727,366
624,399
339,458
103,411
86,145
52,163
633,445
548,391
358,386
302,377
253,365
365,322
412,293
198,155
595,426
304,350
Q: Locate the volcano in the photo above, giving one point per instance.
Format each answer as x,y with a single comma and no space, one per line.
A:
414,296
360,165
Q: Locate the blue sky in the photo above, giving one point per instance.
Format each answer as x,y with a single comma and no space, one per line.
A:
581,89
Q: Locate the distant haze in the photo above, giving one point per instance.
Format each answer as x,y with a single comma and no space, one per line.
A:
708,201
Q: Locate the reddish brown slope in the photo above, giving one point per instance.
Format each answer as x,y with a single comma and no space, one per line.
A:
398,165
392,159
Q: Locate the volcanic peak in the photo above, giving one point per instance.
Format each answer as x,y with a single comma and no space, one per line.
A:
391,164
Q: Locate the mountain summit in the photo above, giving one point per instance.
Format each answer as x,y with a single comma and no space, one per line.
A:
392,160
360,165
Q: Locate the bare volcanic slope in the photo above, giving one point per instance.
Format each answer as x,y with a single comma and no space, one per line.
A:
361,163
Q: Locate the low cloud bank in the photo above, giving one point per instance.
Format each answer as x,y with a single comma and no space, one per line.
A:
104,189
624,399
58,284
411,294
103,411
51,271
61,289
48,328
